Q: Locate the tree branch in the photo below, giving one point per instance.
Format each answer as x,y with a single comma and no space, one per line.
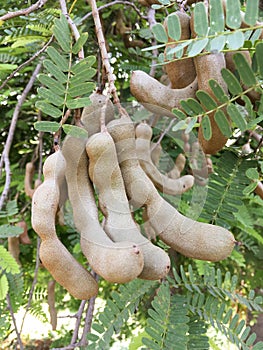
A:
11,133
23,12
19,341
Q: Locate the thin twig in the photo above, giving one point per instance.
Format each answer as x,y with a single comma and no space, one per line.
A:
19,341
72,25
30,297
78,321
105,58
152,22
11,133
163,134
23,12
24,64
117,2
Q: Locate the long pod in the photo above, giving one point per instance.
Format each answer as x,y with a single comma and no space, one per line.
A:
191,238
162,182
115,262
106,175
55,257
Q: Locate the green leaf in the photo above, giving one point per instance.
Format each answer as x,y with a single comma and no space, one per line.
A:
7,262
179,114
236,116
62,33
252,174
58,59
3,287
55,71
251,14
207,101
178,48
218,91
75,131
7,230
7,66
80,43
259,55
191,125
81,89
86,74
83,64
217,43
244,70
52,84
217,18
206,128
232,83
233,17
223,123
235,40
181,125
197,46
194,106
174,27
78,102
200,19
159,33
47,126
50,96
49,109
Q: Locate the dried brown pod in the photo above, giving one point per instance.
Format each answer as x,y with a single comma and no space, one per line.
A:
51,300
13,248
23,238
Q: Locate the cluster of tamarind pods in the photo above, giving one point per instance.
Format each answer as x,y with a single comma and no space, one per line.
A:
115,161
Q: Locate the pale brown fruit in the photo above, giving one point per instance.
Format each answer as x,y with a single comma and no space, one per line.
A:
51,303
13,248
180,72
118,262
162,182
105,173
157,97
178,167
28,179
191,238
53,254
24,238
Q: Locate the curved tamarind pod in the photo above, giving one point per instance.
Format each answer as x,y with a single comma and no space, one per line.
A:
178,167
209,67
116,262
23,238
90,116
181,72
259,190
51,303
253,95
156,97
191,238
106,175
156,150
53,254
14,249
162,182
28,179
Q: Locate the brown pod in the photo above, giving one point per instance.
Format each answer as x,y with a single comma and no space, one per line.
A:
209,67
157,97
13,248
259,190
178,167
119,224
91,114
162,182
191,238
24,238
51,300
29,179
67,271
180,72
116,262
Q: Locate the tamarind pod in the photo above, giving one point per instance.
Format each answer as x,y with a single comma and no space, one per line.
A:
37,183
178,167
105,173
14,249
209,67
180,72
118,262
157,97
28,179
53,254
51,303
90,116
259,190
156,150
23,238
148,229
253,95
191,238
165,184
